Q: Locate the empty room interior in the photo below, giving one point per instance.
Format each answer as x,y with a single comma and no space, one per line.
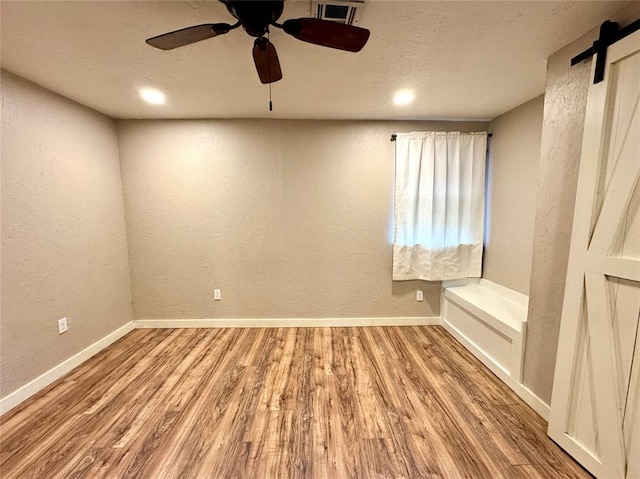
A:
341,239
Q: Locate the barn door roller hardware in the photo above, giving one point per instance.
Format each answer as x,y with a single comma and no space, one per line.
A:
609,34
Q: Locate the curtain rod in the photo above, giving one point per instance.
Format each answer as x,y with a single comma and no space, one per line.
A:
394,136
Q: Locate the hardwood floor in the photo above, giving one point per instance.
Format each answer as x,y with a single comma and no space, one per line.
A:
280,403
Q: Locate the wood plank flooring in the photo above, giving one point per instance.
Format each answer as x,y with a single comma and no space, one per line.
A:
338,403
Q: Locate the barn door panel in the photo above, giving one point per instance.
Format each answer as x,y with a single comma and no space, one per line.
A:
595,408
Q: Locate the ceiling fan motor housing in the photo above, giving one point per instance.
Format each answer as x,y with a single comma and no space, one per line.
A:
255,16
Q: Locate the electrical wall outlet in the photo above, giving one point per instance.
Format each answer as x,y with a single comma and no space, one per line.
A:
217,294
419,295
62,325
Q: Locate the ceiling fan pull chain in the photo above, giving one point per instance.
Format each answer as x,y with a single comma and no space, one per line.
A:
269,63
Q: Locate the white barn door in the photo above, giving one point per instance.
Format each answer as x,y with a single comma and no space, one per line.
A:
595,408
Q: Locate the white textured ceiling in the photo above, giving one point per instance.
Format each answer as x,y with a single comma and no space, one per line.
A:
463,59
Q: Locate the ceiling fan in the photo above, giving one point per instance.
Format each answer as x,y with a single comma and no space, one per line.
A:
255,17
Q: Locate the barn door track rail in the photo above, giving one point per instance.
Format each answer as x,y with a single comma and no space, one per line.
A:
609,34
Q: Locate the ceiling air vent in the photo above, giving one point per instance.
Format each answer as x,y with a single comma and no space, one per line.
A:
336,10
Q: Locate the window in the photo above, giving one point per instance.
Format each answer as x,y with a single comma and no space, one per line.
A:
439,205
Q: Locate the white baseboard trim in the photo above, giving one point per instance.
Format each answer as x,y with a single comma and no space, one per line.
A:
12,400
287,322
537,404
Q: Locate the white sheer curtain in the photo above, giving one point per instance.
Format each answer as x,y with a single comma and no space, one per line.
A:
439,205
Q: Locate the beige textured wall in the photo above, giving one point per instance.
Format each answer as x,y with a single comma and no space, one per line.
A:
564,111
511,195
288,218
64,249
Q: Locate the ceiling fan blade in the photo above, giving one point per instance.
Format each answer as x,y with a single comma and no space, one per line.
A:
266,60
186,36
327,33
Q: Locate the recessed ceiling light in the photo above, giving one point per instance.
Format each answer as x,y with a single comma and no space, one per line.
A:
403,97
151,95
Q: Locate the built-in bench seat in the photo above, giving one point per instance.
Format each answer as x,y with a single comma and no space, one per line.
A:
490,321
